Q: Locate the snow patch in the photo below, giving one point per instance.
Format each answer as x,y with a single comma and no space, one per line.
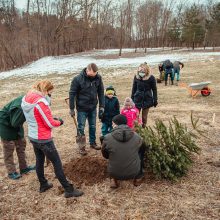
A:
72,63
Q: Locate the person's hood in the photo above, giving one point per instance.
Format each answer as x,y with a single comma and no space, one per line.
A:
31,100
122,133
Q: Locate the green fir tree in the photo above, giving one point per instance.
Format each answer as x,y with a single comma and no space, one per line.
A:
170,148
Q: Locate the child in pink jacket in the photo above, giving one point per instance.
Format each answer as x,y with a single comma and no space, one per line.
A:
130,112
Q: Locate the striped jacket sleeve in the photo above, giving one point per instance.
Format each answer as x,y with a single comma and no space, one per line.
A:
46,115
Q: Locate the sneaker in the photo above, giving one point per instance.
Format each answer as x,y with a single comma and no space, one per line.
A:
14,176
71,192
28,169
44,187
95,146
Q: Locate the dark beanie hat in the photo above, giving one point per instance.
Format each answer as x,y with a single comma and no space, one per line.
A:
120,120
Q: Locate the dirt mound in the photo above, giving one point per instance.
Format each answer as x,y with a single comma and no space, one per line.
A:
88,170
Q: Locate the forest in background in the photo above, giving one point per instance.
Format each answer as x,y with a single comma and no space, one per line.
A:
62,27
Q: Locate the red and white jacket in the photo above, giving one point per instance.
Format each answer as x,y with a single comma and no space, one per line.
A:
38,116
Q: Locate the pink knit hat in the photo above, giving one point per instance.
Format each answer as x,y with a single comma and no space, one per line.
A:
128,102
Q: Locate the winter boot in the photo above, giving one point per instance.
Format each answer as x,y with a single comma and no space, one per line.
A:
95,146
171,82
82,145
71,192
165,83
45,186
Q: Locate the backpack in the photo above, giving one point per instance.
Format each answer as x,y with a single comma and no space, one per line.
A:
167,64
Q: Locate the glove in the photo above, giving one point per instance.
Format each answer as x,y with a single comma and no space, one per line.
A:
72,112
155,104
101,113
61,121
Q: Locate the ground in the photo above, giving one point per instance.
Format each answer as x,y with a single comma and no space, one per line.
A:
195,196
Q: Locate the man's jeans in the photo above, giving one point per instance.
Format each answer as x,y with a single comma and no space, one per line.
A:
177,74
91,116
106,128
48,149
171,75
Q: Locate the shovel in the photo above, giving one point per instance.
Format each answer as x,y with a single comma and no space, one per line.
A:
78,136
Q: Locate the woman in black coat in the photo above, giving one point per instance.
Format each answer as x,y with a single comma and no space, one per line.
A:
144,91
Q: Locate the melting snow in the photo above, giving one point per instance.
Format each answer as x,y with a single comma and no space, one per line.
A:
74,63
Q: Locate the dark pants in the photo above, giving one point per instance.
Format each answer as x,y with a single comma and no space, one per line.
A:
48,149
144,116
106,128
81,118
171,76
141,155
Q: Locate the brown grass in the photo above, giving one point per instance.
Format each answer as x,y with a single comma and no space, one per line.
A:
195,196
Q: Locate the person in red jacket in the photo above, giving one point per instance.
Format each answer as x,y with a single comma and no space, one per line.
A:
40,122
130,112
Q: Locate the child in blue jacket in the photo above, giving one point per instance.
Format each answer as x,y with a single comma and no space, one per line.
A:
112,109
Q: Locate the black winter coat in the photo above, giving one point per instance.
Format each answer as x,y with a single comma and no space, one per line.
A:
112,109
144,92
84,91
169,69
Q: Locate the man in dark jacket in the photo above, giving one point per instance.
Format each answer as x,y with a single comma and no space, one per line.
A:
168,68
84,91
122,147
12,137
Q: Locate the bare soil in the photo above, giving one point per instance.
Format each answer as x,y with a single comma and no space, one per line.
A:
86,170
195,196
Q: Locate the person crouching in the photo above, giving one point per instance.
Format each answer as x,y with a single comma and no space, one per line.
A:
121,147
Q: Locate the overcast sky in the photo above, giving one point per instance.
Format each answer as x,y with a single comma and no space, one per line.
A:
22,3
